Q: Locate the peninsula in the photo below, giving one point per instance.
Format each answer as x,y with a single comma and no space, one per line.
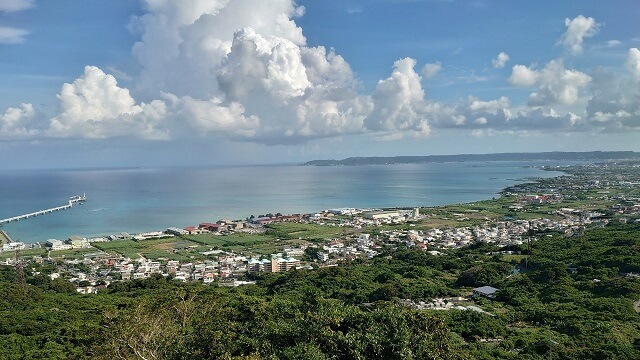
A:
541,156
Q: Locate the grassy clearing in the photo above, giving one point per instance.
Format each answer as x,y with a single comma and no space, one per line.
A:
149,248
248,244
289,231
69,254
231,240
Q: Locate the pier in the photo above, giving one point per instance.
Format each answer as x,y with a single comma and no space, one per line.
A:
69,205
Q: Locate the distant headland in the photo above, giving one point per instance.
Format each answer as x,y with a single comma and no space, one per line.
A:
540,156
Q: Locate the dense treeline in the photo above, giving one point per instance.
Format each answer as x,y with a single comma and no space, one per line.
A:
572,300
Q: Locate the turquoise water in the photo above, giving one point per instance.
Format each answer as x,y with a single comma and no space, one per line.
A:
136,200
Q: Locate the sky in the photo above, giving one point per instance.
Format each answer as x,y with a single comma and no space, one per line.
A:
88,83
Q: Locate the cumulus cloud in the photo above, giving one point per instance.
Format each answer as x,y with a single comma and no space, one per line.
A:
431,70
522,75
615,103
556,84
500,61
93,106
633,62
399,101
491,106
273,64
483,117
210,116
242,70
11,35
192,37
19,122
578,29
559,85
15,5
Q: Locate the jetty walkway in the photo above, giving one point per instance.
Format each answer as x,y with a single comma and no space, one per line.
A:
72,200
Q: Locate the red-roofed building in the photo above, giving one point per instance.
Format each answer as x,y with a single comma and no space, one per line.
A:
209,226
192,230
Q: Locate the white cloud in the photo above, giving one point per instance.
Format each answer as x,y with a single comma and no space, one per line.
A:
488,106
18,122
259,83
10,35
192,37
500,61
578,29
210,116
93,106
499,116
559,85
399,101
613,43
431,70
272,64
522,75
615,103
633,62
556,84
15,5
242,70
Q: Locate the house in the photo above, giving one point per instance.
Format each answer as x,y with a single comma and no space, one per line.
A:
77,242
57,245
486,291
209,226
192,230
13,246
380,215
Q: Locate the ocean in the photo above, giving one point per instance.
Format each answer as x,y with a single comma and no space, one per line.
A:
147,199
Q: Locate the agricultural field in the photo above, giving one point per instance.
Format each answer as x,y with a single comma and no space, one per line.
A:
67,254
247,244
171,248
310,232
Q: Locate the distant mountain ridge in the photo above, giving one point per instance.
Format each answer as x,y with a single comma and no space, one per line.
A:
541,156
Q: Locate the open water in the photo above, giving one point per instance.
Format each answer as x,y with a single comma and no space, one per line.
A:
147,199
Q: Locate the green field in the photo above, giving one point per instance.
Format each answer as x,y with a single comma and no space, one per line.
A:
70,254
172,248
261,244
310,232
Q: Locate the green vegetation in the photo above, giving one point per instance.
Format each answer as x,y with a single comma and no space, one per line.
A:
572,302
170,247
559,297
311,232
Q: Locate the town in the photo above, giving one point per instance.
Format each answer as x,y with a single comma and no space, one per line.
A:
231,253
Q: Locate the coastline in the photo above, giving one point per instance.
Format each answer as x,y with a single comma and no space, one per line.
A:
309,191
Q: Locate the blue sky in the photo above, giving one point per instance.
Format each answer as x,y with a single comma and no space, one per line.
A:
216,82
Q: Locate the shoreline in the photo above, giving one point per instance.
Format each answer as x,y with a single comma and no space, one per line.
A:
494,195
